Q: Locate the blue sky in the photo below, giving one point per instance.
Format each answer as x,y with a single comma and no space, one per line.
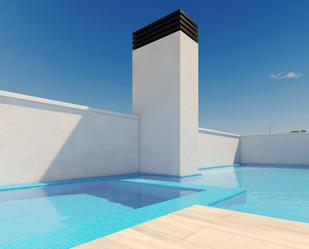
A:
254,56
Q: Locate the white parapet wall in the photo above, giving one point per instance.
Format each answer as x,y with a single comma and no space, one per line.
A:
275,149
217,148
45,140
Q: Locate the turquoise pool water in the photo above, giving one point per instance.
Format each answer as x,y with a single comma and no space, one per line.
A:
271,191
38,211
276,191
65,214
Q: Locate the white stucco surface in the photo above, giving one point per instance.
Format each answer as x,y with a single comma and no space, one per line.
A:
165,96
44,140
188,105
275,149
217,148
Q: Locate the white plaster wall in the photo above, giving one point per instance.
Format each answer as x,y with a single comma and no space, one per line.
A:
44,140
275,149
188,105
156,76
217,148
162,97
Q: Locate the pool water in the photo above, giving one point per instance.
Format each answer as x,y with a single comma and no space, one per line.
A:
281,192
32,215
65,214
276,192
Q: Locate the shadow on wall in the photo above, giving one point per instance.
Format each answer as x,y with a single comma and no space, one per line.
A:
45,142
237,156
217,148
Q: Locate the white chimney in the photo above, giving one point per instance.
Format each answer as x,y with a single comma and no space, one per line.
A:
165,94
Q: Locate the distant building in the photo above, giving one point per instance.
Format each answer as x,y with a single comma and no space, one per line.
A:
298,131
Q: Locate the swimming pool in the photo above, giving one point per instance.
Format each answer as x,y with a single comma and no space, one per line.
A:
281,192
276,191
65,214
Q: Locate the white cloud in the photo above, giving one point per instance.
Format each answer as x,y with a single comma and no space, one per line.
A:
286,75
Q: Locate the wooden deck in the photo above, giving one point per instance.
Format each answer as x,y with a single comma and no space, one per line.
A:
208,228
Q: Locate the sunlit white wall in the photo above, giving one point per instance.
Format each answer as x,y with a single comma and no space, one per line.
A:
275,149
44,140
217,148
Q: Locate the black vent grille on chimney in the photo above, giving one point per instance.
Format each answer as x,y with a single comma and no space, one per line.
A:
165,26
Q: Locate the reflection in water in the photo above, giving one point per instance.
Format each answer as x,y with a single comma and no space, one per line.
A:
225,177
236,200
133,195
37,211
281,192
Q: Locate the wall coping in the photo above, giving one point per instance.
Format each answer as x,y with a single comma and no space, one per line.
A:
57,103
277,135
215,132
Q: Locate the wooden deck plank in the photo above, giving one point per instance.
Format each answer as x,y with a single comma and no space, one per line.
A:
200,227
